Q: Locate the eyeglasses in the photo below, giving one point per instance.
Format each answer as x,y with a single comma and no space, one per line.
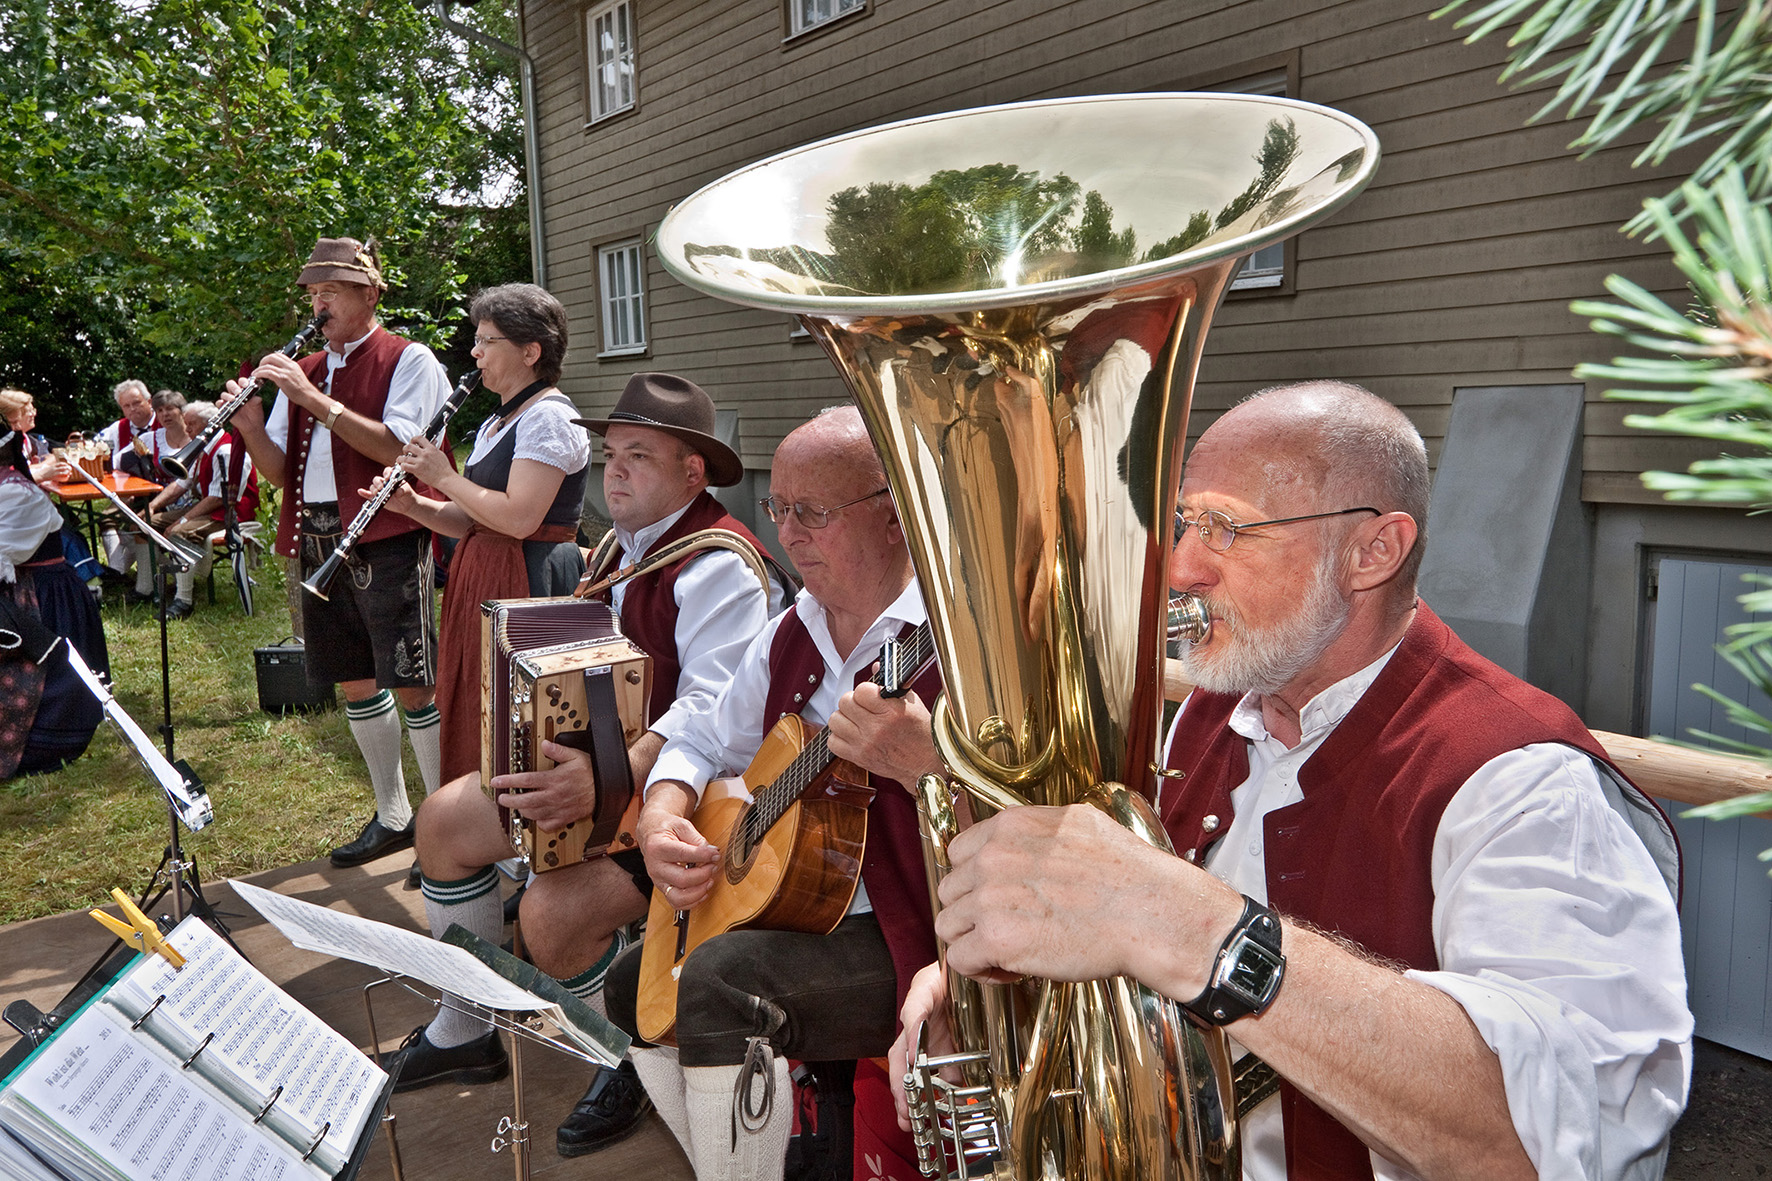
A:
481,342
1218,531
811,516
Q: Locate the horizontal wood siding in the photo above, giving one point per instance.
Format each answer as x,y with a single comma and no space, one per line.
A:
1455,268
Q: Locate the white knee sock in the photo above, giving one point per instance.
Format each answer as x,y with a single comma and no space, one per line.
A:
424,732
663,1080
760,1155
474,903
144,577
376,727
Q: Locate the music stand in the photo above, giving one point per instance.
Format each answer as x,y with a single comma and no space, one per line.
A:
180,875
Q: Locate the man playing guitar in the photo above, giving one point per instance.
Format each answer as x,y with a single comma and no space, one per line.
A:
747,992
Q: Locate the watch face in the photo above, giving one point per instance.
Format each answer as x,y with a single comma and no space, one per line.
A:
1250,970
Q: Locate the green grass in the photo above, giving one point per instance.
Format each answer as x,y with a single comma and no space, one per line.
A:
284,789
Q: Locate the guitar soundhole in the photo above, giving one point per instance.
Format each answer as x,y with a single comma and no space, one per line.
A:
745,837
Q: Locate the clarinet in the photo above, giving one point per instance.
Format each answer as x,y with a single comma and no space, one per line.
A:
391,483
181,463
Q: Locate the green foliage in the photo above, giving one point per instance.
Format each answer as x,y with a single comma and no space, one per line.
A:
1603,55
1711,364
173,160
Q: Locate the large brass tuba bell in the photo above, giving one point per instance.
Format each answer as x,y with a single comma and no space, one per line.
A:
1008,292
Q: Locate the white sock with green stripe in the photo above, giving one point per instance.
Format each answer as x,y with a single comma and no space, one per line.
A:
424,731
587,986
473,902
375,725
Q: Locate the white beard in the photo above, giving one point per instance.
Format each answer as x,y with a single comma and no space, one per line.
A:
1264,660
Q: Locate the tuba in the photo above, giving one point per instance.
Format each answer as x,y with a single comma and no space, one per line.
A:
1017,297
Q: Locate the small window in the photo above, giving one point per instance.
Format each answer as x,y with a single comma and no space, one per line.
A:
609,35
804,15
621,273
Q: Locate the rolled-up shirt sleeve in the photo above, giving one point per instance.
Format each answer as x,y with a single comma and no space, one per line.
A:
1557,934
707,743
419,386
720,608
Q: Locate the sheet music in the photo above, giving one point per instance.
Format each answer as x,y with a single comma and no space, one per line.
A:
133,1108
389,948
259,1039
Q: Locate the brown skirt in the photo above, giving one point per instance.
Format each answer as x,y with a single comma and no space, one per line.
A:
485,565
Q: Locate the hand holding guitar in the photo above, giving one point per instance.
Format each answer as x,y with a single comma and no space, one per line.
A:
680,860
889,735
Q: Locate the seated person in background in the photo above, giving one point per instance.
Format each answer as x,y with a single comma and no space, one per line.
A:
1472,962
138,419
515,504
20,412
694,617
189,511
167,436
50,715
815,997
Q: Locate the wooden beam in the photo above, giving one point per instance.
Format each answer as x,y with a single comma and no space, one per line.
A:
1662,769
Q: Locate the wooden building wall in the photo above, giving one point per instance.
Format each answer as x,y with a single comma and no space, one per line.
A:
1455,267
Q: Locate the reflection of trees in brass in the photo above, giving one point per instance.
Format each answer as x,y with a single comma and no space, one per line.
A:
1279,149
990,226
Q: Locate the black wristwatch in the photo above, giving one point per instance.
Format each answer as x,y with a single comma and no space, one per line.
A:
1247,972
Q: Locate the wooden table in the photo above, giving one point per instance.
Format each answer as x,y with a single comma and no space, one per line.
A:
80,492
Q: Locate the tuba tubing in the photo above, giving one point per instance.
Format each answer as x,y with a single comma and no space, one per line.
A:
1017,298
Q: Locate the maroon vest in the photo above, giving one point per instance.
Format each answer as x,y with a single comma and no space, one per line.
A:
649,605
892,863
361,386
246,496
125,433
1354,857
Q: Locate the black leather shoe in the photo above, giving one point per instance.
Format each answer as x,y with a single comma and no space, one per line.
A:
421,1064
372,842
136,598
613,1109
414,876
179,609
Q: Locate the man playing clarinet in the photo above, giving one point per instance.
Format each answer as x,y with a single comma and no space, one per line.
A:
345,413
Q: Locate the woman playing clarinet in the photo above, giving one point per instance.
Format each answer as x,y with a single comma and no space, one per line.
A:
516,503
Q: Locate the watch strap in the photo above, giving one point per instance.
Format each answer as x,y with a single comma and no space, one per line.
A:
1223,1000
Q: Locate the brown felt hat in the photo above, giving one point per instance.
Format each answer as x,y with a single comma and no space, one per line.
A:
342,260
680,408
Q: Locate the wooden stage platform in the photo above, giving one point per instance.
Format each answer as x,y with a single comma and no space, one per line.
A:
444,1132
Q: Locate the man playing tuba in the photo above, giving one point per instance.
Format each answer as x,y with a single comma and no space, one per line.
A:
1408,881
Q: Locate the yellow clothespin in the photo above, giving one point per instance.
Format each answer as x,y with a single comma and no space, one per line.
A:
140,931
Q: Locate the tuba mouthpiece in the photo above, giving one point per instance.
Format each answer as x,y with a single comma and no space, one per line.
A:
1189,618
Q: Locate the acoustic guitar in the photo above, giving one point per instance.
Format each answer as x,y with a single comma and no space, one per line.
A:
794,828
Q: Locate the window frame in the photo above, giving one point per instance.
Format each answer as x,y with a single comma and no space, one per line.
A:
1277,75
603,254
594,114
793,31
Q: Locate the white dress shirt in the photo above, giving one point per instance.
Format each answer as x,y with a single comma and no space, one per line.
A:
720,607
1556,931
723,740
419,386
27,516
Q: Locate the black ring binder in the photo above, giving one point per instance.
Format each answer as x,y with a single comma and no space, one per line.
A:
269,1103
318,1140
146,1013
201,1046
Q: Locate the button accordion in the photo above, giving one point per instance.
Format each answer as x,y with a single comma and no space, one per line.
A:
560,670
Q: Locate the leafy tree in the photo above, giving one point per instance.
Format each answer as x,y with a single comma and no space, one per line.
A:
1712,361
173,161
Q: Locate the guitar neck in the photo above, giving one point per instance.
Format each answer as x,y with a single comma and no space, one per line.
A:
774,800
